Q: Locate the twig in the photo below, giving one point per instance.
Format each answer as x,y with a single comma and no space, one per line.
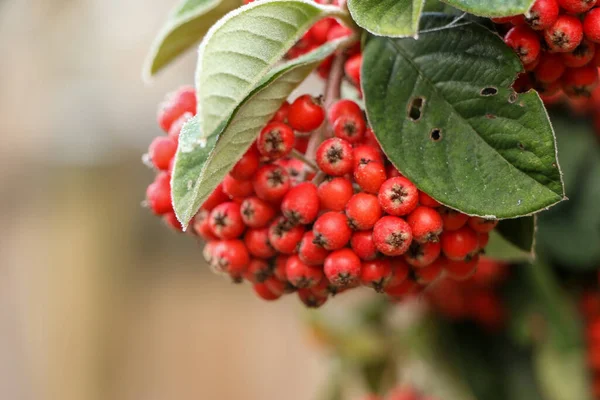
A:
299,156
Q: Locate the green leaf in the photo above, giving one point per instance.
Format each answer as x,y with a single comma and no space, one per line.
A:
500,248
392,18
187,24
493,8
243,47
519,231
202,162
445,114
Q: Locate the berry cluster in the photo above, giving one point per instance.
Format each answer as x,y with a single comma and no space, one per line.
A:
476,298
590,307
400,393
348,218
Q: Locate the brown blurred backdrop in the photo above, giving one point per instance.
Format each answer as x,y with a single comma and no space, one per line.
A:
98,300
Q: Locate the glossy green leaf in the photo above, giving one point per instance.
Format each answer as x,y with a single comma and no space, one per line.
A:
445,114
493,8
185,27
239,51
203,161
392,18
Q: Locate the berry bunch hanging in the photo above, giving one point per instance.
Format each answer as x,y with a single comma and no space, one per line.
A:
319,221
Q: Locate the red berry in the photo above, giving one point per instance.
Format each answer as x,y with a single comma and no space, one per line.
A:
176,104
482,225
550,68
431,272
363,211
426,224
247,166
302,275
459,244
582,55
484,238
311,299
580,82
401,290
543,14
342,268
296,169
363,245
334,193
256,213
365,154
427,201
370,176
301,204
352,68
577,6
276,286
237,189
306,114
202,227
282,114
216,197
263,291
257,242
376,274
343,107
565,34
420,255
309,252
258,271
400,271
591,25
276,140
334,157
392,236
453,220
525,42
171,220
319,31
226,221
338,32
350,127
176,127
271,182
158,194
230,256
460,270
332,231
398,196
161,151
284,236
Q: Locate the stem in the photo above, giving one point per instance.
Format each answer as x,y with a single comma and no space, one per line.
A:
299,156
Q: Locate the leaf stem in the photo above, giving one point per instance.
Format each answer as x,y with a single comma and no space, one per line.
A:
299,156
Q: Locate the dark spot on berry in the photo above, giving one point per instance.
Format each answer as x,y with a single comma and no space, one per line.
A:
335,154
436,135
344,279
378,285
220,220
282,227
415,109
276,178
396,239
274,141
248,212
415,251
319,240
350,128
489,91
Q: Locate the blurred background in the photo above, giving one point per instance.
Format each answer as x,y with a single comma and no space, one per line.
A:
98,300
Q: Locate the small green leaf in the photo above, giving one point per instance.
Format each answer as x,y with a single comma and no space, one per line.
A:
519,231
238,52
392,18
186,25
493,8
445,114
499,248
203,161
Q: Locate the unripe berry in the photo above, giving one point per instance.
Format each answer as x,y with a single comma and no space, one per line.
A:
257,242
392,236
332,231
582,55
398,196
363,245
247,166
577,6
256,213
341,108
258,271
264,292
550,68
302,275
305,114
453,220
230,256
459,244
309,252
363,211
370,176
365,154
591,25
565,34
271,183
350,127
276,140
334,193
426,224
580,82
161,151
482,225
543,14
334,157
301,204
237,189
311,299
284,236
420,255
342,268
376,274
158,194
177,103
525,42
226,221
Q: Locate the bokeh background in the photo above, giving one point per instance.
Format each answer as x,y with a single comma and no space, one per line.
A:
99,300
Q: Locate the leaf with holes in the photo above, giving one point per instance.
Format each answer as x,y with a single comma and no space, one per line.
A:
493,8
187,24
243,47
203,161
445,114
392,18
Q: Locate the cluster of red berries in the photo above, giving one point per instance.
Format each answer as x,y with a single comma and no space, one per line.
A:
400,393
590,307
476,299
288,225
